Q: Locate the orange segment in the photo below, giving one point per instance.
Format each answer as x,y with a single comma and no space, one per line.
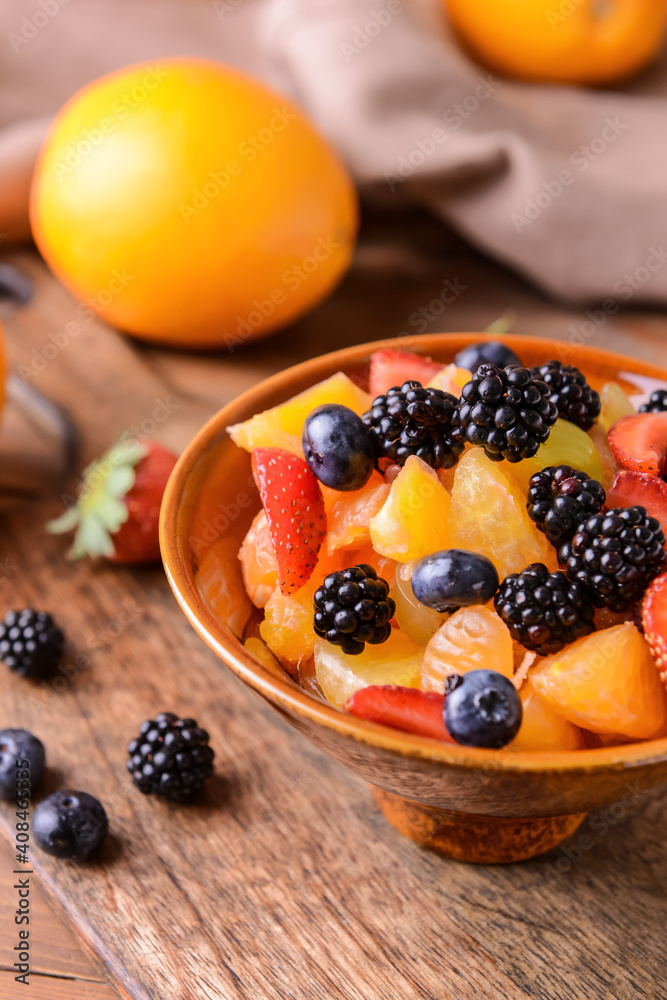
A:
413,521
281,426
541,727
396,661
606,682
349,514
287,628
258,562
470,639
488,515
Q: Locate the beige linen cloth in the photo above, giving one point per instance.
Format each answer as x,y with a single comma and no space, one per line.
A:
568,186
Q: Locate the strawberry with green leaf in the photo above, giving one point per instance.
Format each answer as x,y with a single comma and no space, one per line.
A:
118,508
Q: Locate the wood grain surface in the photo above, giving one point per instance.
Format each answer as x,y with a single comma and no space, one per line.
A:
285,881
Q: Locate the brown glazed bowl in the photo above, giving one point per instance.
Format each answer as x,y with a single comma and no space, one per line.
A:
471,804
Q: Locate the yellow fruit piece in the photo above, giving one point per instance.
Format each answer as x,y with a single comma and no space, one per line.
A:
567,445
598,436
419,622
349,514
258,562
607,683
451,379
413,521
396,661
471,639
281,426
259,651
488,515
615,404
287,628
542,728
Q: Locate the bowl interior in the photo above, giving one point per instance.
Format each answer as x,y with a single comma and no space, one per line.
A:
209,505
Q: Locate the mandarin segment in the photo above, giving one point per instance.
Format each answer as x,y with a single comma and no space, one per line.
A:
349,514
488,515
413,521
258,561
282,426
607,683
542,728
471,639
396,661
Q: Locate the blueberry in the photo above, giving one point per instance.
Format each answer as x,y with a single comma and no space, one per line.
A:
70,824
482,709
18,745
487,352
338,447
454,578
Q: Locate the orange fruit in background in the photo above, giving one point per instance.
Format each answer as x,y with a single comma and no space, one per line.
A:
3,369
185,203
561,41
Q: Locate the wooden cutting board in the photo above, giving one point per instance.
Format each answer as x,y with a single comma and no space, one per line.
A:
285,882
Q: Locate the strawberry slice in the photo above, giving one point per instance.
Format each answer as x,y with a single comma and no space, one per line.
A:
630,488
117,511
654,620
391,367
639,442
294,507
413,711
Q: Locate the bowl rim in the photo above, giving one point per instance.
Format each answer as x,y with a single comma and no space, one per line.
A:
286,694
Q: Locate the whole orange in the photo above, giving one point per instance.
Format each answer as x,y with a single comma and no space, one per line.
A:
562,41
185,203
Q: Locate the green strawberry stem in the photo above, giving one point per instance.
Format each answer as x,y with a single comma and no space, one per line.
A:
100,510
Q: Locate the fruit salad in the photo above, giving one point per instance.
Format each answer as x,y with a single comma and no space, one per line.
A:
473,553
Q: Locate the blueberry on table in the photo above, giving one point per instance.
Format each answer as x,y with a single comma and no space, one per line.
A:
454,578
17,745
70,824
482,709
492,352
337,447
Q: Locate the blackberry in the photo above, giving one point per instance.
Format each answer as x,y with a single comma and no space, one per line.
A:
544,611
657,402
353,607
413,420
560,498
31,644
571,393
70,824
615,555
507,411
170,757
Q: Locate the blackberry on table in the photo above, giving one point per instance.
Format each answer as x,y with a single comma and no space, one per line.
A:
507,411
657,402
353,607
560,498
414,420
544,611
573,396
171,757
615,555
31,644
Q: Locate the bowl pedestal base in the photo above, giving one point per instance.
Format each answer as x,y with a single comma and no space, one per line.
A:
478,839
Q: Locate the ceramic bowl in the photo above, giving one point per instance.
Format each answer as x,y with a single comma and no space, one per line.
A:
471,804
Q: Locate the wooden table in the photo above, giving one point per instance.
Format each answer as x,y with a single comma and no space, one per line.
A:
286,882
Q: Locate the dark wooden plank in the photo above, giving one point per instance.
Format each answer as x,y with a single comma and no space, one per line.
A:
285,882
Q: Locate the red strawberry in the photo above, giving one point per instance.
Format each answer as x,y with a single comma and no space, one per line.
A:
639,442
413,711
654,620
118,507
294,507
630,488
391,367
